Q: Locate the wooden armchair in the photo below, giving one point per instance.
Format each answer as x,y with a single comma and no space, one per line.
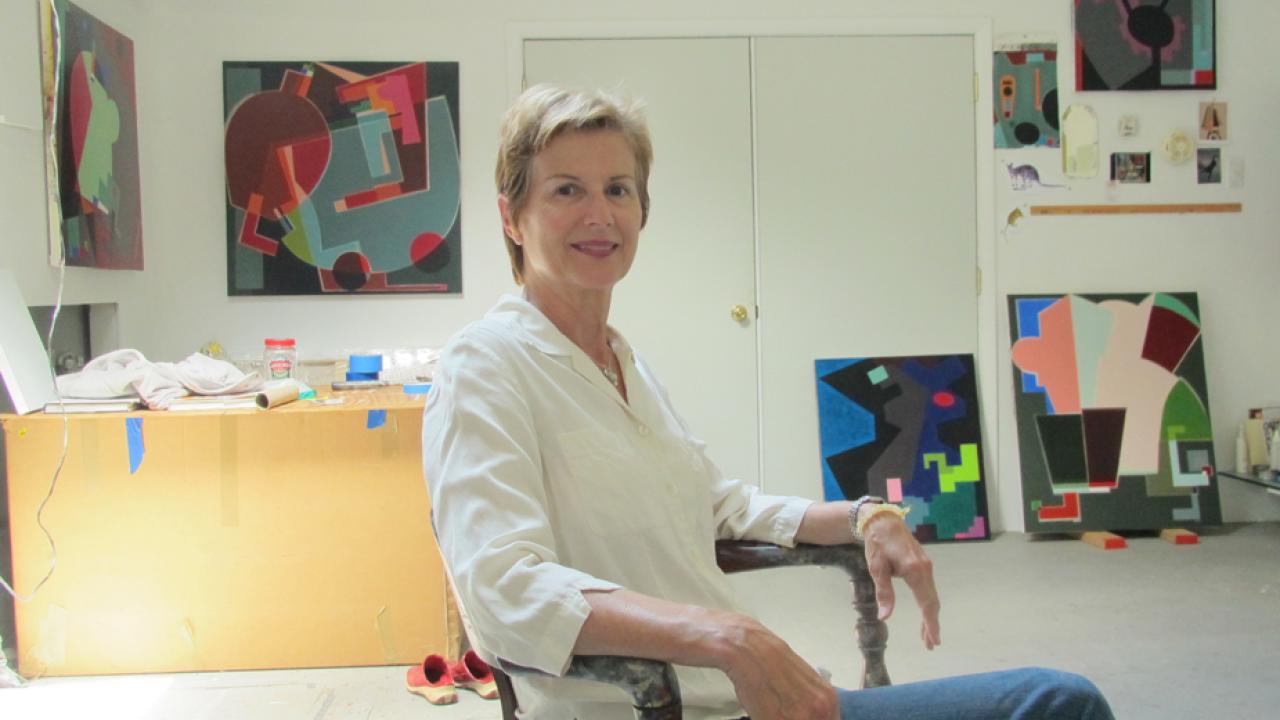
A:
652,684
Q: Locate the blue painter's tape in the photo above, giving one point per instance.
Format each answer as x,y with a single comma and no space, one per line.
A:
417,388
357,376
377,418
365,364
133,431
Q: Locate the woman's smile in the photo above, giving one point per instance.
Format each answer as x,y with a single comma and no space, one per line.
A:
595,248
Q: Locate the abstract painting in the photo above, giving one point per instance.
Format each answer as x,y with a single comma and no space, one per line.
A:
342,177
1112,412
1026,96
906,429
91,140
1145,45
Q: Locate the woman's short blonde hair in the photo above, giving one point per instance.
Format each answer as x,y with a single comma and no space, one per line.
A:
541,114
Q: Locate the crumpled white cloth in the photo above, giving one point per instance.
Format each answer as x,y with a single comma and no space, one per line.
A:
127,372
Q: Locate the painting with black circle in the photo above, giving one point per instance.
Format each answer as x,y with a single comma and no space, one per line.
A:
342,177
1145,45
1026,95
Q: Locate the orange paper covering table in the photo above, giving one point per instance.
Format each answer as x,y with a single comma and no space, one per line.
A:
293,537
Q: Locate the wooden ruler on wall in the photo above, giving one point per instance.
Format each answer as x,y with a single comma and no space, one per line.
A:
1112,209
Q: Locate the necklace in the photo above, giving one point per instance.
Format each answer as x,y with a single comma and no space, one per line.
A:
609,374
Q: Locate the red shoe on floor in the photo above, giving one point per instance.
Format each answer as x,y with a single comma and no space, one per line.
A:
473,673
432,680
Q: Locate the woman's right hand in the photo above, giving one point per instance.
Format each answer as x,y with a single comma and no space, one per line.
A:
772,682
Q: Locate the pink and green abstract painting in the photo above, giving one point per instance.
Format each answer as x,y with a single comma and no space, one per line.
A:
1112,411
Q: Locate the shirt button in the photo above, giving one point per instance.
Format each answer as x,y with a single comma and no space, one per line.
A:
643,430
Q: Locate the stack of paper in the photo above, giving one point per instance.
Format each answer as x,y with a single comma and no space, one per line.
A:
92,405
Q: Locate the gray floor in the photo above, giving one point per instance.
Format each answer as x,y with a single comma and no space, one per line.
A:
1166,631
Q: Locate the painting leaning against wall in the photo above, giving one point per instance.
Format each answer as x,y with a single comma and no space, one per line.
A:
1112,412
342,177
906,429
91,140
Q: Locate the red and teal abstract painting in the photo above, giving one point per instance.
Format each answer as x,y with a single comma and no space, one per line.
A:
342,177
906,429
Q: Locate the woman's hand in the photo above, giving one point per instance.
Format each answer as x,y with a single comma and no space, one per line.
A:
892,551
771,681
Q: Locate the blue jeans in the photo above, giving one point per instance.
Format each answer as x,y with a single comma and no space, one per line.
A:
1027,694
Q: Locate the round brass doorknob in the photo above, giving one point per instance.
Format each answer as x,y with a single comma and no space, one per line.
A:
738,313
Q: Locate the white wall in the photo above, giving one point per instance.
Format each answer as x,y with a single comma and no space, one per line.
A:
179,301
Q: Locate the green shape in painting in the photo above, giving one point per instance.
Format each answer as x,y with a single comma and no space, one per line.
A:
103,129
1185,417
953,512
304,231
1173,304
878,375
950,475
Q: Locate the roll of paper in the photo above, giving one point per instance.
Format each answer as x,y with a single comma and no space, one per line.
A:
276,396
1256,441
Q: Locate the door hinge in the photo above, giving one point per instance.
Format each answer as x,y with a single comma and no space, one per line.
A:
977,277
975,88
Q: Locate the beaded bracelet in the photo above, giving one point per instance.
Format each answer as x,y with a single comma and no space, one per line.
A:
880,510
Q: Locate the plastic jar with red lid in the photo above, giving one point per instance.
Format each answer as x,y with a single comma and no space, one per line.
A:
279,358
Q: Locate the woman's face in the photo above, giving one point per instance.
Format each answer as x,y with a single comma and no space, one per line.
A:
581,218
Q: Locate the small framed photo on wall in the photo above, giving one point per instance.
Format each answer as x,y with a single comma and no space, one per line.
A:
1209,166
1132,167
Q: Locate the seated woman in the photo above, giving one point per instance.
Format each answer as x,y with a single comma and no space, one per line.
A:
578,514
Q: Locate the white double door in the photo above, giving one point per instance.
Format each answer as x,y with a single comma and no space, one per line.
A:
826,181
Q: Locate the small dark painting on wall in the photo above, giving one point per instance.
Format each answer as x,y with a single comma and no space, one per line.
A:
1131,167
1145,45
1209,166
342,177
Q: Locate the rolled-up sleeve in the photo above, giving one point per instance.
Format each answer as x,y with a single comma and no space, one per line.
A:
742,512
489,508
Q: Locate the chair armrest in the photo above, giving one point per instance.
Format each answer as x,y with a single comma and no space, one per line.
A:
742,555
652,684
873,635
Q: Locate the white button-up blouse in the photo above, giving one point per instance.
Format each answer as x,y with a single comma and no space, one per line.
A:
544,483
